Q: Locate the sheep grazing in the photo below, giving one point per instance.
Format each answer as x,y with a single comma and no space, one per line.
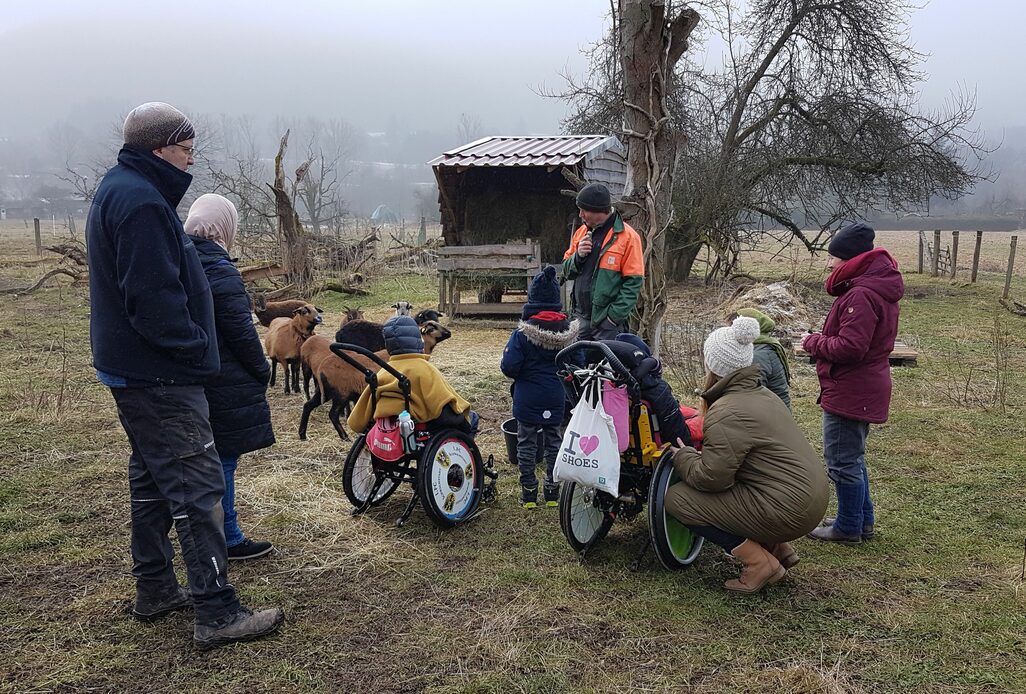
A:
338,382
285,339
367,333
335,381
402,308
350,315
267,311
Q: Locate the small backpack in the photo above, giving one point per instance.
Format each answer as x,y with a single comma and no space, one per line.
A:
384,439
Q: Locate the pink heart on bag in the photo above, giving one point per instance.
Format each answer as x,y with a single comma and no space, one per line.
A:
588,444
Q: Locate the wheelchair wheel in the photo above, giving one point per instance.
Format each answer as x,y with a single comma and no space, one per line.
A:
582,522
675,545
450,476
358,476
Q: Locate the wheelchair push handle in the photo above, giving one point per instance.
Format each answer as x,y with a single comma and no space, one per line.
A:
563,357
340,350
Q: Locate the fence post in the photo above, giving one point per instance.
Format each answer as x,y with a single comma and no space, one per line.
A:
954,253
39,239
1011,266
935,270
922,241
976,254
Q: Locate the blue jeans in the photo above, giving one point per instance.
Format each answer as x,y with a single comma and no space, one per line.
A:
232,532
844,448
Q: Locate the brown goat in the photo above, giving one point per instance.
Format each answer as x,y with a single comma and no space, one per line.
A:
285,339
267,311
337,381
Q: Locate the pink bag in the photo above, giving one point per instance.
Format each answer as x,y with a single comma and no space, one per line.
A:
384,440
617,404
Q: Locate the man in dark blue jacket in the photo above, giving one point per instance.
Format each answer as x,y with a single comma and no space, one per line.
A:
154,345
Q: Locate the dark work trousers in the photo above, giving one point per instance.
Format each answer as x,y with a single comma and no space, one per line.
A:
175,477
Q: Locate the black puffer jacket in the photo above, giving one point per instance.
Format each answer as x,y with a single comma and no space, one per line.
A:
239,414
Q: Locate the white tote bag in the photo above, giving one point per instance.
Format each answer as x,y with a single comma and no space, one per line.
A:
589,453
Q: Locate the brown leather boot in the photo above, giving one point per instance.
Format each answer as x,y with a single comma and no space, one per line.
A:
759,567
784,553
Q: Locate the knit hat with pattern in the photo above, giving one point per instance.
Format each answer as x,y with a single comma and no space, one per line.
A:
156,124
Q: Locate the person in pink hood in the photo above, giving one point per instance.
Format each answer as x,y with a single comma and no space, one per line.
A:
852,362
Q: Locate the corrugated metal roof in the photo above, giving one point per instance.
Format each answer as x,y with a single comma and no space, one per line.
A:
554,150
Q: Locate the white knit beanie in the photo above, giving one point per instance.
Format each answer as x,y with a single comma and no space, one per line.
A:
729,349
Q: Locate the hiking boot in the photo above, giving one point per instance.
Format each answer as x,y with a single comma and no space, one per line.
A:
244,625
148,609
758,567
529,497
784,553
827,533
249,549
551,492
867,529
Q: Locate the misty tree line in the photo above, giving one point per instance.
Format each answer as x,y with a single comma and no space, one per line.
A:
348,171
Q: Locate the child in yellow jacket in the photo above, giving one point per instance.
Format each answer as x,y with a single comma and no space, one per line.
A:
432,399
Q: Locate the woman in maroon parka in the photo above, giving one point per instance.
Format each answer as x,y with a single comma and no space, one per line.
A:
852,362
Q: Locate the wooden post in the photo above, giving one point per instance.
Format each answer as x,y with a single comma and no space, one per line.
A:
39,239
954,253
935,270
1011,266
976,255
922,251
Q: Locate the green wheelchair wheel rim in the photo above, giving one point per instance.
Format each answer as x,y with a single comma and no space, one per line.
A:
678,536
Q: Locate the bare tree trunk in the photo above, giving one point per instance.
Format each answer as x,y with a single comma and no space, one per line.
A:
650,46
295,249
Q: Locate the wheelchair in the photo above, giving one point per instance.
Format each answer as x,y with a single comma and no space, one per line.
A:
445,470
586,514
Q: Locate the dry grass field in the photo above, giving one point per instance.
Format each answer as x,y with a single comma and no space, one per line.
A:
934,604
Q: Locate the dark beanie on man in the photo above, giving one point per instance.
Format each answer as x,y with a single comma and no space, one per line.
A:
155,124
854,239
543,294
594,197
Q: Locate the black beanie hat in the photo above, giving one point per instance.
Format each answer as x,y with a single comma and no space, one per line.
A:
854,239
543,295
594,197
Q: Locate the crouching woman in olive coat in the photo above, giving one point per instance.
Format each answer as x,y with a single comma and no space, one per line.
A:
757,484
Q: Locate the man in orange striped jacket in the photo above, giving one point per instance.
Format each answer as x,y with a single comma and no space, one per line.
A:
605,262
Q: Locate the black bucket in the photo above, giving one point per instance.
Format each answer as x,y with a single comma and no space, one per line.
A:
509,432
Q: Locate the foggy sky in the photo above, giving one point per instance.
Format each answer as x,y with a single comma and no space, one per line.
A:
410,63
